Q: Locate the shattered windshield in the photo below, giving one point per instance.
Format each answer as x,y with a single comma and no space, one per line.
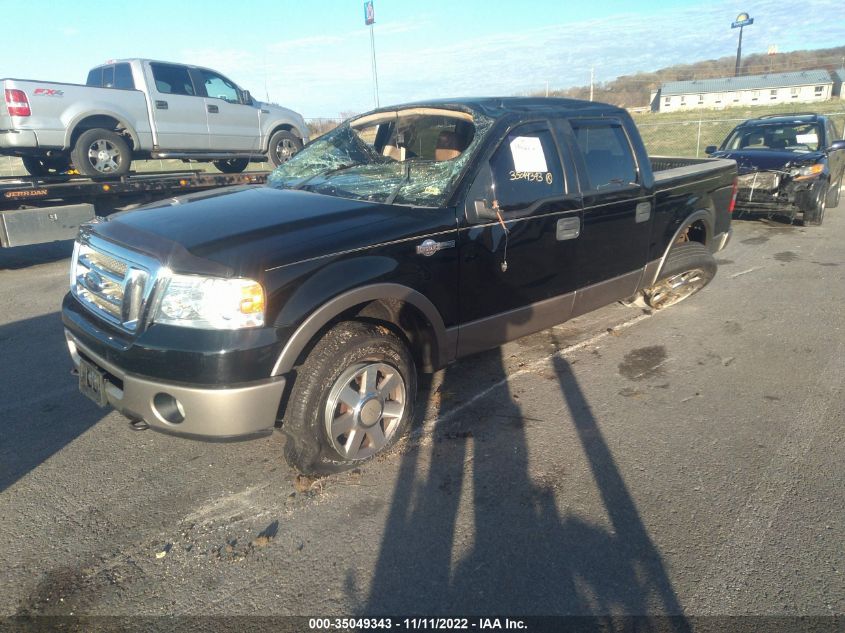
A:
409,157
794,137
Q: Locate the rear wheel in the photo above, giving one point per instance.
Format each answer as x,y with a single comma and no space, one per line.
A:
283,145
45,165
814,216
352,399
688,268
100,152
232,165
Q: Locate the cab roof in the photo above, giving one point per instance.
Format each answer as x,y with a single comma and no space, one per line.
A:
499,107
781,119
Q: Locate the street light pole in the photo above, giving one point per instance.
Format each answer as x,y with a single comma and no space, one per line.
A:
742,20
369,20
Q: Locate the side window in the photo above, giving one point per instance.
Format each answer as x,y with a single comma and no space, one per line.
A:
108,76
219,87
607,154
95,77
123,77
173,80
526,168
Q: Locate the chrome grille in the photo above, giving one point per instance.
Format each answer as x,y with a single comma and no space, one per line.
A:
112,282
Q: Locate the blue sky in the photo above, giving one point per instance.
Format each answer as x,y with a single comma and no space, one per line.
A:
315,56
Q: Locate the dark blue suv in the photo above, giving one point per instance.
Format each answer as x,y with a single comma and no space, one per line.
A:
788,164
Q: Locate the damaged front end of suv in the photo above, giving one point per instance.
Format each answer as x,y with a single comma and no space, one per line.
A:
788,166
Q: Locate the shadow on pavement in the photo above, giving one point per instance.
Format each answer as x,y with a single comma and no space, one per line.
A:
41,410
25,256
522,557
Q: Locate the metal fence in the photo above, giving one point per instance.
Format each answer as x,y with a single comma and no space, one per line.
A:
689,138
685,138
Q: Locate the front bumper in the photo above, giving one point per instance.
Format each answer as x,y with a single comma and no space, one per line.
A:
234,412
771,192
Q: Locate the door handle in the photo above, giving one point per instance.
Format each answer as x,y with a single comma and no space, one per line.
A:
643,212
213,108
568,229
161,105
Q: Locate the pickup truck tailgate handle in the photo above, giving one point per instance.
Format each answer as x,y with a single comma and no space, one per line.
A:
643,212
213,108
161,105
568,229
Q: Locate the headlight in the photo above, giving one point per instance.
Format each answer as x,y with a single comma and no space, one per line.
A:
803,173
211,303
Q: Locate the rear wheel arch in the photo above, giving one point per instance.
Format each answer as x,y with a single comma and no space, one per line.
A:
696,227
106,122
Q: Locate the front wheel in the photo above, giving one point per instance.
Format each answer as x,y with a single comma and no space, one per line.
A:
232,165
100,152
688,268
352,399
814,216
283,145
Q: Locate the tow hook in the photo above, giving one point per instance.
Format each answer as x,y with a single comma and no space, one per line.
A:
138,425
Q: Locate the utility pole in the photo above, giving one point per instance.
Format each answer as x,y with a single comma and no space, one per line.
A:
742,20
592,77
369,20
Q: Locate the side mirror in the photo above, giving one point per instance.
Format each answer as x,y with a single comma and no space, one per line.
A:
484,210
836,146
246,97
710,149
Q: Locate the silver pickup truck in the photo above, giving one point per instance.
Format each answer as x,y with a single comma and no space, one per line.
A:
139,109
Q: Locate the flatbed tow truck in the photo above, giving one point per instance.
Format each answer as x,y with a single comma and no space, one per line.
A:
34,210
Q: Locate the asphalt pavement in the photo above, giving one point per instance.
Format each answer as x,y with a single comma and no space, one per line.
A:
688,461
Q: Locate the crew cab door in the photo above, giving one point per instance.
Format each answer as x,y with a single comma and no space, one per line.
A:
618,210
518,273
232,124
178,110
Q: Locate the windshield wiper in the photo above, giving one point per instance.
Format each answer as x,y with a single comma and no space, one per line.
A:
405,180
301,184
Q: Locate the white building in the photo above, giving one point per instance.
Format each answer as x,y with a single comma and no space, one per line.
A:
796,87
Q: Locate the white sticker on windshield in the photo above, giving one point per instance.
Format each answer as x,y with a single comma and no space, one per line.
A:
528,154
807,139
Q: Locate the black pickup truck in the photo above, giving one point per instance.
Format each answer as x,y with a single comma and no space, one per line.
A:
402,240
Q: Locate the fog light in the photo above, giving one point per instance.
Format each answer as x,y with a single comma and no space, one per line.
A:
168,408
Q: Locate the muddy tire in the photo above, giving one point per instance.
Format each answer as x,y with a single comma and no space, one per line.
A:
814,216
352,399
100,152
232,165
688,268
283,145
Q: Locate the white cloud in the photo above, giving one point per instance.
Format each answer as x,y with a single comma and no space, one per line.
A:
323,74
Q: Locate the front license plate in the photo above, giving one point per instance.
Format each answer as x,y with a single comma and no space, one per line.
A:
92,383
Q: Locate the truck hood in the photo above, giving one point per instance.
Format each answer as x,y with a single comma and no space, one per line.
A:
768,160
246,230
